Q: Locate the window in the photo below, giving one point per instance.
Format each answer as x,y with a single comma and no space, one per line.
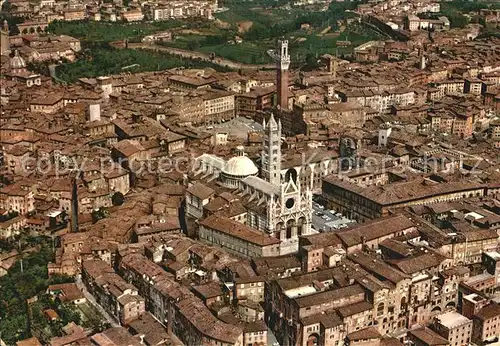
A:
380,309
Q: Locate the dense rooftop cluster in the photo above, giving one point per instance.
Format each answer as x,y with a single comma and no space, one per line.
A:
363,210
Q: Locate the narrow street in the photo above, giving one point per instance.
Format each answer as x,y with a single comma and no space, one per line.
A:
92,301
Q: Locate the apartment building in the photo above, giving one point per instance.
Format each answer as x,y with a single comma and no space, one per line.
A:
414,23
494,130
473,86
17,198
379,101
197,196
259,99
190,108
426,337
486,324
12,227
18,159
178,9
168,301
390,304
219,105
302,307
47,104
75,14
237,238
184,83
450,87
132,15
251,289
454,327
115,295
362,203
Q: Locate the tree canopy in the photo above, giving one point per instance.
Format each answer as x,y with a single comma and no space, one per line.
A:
19,285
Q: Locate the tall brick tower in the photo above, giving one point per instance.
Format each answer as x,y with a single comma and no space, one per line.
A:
282,64
4,39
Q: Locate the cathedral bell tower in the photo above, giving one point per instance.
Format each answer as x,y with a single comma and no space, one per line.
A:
271,153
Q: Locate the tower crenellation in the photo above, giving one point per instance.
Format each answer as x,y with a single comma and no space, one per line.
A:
283,56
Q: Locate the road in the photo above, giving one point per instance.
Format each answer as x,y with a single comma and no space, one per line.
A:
92,301
202,56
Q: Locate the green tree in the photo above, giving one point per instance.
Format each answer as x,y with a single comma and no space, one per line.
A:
193,45
6,7
458,20
60,279
17,286
69,313
99,214
311,60
118,198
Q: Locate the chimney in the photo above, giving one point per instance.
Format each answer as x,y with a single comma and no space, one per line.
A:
94,112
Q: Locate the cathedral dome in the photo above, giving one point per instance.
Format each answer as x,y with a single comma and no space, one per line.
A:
17,62
236,169
240,166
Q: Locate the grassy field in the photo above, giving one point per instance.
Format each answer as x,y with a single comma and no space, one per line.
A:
462,12
258,26
190,42
100,60
302,43
261,27
234,15
234,22
327,44
108,32
241,13
246,52
466,6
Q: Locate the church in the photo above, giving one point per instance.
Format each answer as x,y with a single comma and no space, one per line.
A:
17,68
275,202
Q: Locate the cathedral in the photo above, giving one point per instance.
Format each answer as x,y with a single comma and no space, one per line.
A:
275,202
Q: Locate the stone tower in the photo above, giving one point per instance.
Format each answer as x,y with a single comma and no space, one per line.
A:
106,85
422,61
4,39
74,205
384,132
271,153
282,65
